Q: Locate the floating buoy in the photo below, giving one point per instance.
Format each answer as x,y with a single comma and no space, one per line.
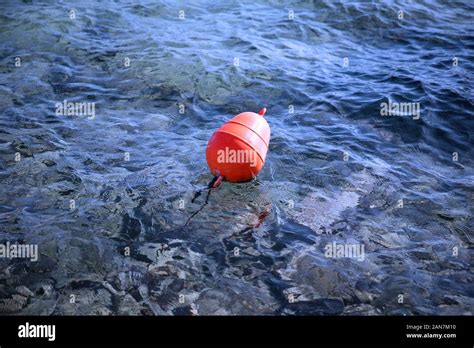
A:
236,152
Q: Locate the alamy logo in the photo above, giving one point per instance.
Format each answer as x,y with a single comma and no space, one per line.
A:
237,156
400,109
339,251
75,109
37,331
22,251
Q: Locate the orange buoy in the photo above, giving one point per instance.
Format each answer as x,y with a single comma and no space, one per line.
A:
236,152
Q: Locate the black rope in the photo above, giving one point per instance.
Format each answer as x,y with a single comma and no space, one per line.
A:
197,194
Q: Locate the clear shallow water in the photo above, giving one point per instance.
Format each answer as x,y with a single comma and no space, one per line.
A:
307,196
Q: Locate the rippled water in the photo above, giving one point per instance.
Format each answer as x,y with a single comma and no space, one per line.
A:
336,172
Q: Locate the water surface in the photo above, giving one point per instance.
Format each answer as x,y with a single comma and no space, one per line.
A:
337,171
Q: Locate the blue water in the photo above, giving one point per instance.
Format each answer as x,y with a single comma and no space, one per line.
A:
112,199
